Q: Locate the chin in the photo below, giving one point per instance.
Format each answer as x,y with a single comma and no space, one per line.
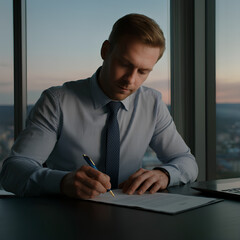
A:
119,98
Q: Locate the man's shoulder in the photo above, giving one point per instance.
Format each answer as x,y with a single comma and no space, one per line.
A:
76,83
145,91
148,98
68,87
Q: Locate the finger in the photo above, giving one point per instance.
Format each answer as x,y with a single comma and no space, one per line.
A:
163,178
91,183
157,180
94,173
137,182
156,187
72,185
86,192
130,180
151,180
100,177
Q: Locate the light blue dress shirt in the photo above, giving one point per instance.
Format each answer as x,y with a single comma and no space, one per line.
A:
69,121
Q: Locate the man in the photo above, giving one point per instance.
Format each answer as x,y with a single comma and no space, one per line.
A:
70,120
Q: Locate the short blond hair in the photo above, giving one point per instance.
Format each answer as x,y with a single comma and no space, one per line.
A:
140,26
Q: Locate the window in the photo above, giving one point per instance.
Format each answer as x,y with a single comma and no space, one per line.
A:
64,42
6,79
227,89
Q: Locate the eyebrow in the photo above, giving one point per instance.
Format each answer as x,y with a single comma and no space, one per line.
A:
122,58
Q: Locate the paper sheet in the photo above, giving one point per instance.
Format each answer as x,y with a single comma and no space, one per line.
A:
5,193
160,202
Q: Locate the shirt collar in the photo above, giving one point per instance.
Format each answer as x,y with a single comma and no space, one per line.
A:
99,97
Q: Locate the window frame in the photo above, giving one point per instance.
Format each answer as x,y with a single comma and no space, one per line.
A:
193,92
210,63
20,65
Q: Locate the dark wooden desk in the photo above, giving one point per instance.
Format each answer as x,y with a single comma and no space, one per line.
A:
61,218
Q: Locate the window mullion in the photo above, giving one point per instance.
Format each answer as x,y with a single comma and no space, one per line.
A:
200,86
20,65
182,68
211,89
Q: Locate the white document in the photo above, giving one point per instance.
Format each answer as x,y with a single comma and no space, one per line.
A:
161,202
5,193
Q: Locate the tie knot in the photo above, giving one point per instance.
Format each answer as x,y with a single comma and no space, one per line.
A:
114,106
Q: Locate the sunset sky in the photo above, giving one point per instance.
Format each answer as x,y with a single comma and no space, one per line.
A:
64,40
228,51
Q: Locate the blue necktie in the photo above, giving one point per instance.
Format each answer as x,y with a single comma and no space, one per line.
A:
113,143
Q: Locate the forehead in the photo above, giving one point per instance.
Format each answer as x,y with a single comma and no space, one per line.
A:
136,52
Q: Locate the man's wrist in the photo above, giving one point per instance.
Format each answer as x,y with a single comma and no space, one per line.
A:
164,171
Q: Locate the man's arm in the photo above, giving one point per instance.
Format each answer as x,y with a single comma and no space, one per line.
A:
171,149
22,172
178,164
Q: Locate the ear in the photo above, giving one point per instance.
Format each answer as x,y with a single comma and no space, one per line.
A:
105,49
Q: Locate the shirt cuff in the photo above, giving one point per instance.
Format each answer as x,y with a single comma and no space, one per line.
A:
53,181
45,181
174,175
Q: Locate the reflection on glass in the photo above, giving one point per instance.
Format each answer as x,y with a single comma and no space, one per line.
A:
6,79
227,88
64,41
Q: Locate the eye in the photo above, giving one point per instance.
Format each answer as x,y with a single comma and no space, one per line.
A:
122,63
143,72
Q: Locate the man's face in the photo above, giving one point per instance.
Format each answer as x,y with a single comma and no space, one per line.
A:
126,66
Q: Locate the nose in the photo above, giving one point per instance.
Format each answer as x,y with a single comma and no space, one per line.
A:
131,76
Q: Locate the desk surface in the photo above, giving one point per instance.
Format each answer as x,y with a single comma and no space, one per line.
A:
62,218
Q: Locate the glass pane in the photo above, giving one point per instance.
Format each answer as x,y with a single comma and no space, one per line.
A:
228,88
64,41
6,79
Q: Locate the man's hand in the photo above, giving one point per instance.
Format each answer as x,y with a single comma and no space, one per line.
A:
143,180
85,183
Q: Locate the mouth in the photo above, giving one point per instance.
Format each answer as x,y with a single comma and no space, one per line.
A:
124,89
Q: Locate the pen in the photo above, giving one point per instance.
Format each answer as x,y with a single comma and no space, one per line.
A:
92,164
